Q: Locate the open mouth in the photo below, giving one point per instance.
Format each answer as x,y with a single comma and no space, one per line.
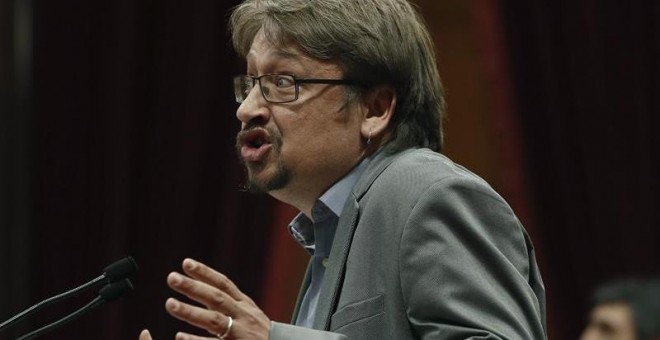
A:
254,144
254,138
257,142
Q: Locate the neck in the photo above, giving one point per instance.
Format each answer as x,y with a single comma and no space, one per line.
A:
302,202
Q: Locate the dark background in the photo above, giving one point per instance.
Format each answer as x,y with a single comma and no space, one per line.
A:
117,128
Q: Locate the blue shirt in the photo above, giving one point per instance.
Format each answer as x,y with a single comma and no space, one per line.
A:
316,236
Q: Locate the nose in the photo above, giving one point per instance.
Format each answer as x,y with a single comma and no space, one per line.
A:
253,107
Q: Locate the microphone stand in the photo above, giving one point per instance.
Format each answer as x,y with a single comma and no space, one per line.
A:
98,301
49,301
109,292
114,272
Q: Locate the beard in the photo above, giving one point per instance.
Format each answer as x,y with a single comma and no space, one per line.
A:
278,180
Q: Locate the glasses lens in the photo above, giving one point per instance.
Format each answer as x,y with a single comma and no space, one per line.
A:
278,88
242,87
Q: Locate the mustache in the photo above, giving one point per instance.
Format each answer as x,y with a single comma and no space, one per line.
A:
276,141
253,124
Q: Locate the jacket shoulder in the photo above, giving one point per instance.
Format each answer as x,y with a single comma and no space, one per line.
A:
423,167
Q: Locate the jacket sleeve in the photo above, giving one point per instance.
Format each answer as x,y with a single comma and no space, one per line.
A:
466,266
282,331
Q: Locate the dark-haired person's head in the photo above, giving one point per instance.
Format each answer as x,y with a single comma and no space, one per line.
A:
625,310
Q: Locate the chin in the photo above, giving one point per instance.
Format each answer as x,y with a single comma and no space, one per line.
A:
262,180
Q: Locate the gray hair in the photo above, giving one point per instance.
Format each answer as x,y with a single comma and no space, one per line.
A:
377,42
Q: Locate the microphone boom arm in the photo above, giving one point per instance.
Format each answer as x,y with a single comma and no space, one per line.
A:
50,301
52,326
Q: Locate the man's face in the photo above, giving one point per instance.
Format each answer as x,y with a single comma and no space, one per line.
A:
611,321
297,150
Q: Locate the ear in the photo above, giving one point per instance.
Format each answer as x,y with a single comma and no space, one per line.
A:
380,104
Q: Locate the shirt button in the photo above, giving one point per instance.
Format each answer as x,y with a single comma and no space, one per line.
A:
324,262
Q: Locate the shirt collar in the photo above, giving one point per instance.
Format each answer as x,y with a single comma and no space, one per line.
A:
330,204
335,197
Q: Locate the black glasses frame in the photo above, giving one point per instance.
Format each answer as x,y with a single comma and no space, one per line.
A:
239,95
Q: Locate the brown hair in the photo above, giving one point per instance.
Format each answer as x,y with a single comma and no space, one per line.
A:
378,42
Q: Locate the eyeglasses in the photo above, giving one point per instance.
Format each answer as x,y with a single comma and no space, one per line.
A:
277,88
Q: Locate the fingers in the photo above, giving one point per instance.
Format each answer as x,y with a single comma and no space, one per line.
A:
186,336
221,298
202,272
214,322
145,335
203,293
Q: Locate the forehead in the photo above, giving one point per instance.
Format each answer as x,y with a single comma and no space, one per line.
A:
264,53
617,315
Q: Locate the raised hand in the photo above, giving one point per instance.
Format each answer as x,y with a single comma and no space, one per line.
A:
228,314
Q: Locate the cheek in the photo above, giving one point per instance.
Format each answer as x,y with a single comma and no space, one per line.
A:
308,150
299,131
317,136
297,137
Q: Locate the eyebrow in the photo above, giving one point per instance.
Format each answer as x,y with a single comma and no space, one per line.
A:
288,54
291,56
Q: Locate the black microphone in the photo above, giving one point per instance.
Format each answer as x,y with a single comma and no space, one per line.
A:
116,271
110,292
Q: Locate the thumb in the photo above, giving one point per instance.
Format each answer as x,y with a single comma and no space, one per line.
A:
145,335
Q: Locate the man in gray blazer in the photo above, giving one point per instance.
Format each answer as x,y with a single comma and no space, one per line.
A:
341,117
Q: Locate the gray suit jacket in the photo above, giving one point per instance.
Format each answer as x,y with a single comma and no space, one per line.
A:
425,249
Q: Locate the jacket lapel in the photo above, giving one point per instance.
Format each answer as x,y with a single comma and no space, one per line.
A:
301,293
334,272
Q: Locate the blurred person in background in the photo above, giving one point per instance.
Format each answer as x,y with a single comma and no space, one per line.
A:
625,310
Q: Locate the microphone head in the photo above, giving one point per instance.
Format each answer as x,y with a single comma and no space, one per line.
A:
120,269
114,290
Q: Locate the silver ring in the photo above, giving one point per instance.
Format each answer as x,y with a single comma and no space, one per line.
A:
231,323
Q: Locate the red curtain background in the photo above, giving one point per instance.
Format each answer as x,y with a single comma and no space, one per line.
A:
119,141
